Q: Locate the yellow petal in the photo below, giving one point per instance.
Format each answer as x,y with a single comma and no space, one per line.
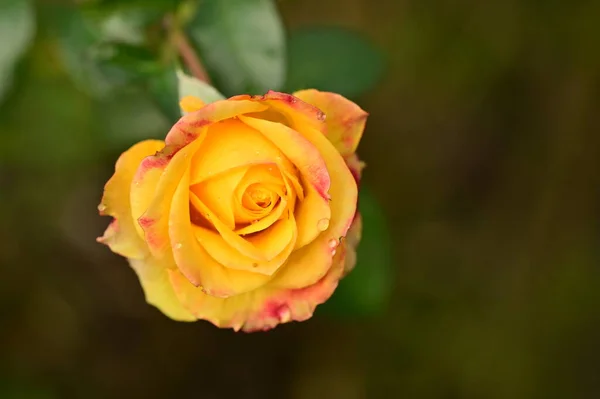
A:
311,262
265,255
301,152
193,260
231,144
155,220
314,211
261,309
191,125
158,289
345,120
218,194
266,178
191,104
121,235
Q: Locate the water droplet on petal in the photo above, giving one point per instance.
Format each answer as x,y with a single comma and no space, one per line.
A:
333,243
254,221
333,252
323,224
101,207
178,245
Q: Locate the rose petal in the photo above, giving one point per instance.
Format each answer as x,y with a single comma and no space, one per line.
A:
191,125
238,253
301,152
193,260
227,146
305,156
316,257
345,120
158,289
217,194
262,309
121,235
155,220
352,240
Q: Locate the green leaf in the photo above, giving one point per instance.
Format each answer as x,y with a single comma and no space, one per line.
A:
332,59
81,50
190,86
17,28
163,87
242,44
366,290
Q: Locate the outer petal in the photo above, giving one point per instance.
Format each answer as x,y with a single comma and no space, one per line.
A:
307,158
158,289
345,120
191,125
121,235
310,263
261,309
352,240
155,220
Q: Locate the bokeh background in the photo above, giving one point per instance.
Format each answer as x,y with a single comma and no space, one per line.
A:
479,275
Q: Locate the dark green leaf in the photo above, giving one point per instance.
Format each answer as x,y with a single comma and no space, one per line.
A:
242,43
366,290
332,59
80,49
190,86
163,87
17,28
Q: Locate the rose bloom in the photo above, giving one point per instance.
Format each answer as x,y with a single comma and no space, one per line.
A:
245,215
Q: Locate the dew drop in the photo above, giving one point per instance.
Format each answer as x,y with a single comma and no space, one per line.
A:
333,243
101,207
323,224
333,253
178,245
254,221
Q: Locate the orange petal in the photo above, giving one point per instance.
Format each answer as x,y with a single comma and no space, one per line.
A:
310,263
155,220
345,120
191,125
229,249
121,235
158,289
231,144
218,194
352,240
301,152
296,112
193,260
261,309
356,166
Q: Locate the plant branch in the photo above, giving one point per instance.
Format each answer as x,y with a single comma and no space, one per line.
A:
189,56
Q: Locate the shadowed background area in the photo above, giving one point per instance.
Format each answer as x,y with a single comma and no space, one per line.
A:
479,275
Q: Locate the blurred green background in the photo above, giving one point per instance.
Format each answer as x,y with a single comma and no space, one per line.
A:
483,157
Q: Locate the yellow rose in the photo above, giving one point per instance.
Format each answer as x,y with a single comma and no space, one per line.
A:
240,217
